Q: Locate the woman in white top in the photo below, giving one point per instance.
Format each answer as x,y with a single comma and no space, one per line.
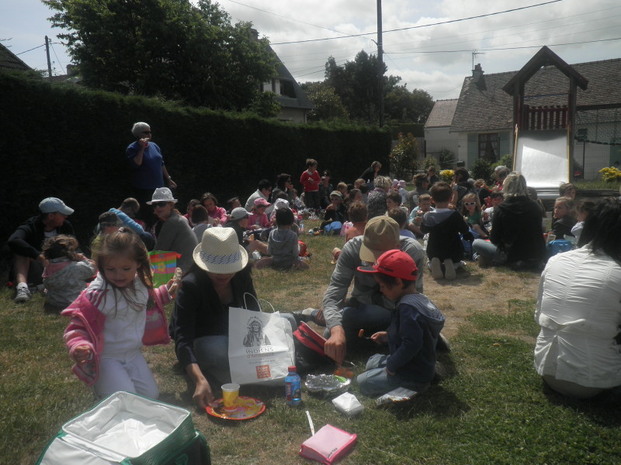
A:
579,310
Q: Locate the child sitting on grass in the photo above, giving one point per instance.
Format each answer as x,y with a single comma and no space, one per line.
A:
401,217
357,213
444,226
563,219
283,245
584,209
416,216
471,209
415,326
66,273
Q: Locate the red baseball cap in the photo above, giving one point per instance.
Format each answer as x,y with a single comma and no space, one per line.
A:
395,263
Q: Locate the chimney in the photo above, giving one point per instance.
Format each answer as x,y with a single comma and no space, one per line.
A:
477,72
477,75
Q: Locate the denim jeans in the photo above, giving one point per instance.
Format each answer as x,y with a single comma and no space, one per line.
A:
376,382
371,318
488,253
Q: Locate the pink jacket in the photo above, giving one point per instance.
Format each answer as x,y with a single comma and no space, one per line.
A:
87,324
218,213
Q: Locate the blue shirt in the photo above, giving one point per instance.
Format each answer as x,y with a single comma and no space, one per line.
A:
149,175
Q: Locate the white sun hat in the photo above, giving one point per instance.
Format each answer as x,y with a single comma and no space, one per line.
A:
162,194
219,252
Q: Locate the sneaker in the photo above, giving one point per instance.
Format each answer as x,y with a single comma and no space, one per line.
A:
309,314
436,268
443,344
449,269
23,294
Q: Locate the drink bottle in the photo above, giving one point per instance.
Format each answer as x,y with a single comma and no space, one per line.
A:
293,387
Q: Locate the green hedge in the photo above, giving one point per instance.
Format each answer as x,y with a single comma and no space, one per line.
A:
66,141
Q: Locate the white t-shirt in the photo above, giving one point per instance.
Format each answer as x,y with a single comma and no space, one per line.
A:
579,311
125,322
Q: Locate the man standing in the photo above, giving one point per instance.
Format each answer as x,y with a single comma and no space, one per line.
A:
367,308
26,242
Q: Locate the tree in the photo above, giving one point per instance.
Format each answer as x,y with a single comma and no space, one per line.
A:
404,155
327,105
357,84
402,105
265,104
165,47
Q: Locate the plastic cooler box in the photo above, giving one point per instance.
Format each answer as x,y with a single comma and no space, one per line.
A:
128,429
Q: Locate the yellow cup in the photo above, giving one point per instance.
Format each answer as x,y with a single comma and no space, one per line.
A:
230,393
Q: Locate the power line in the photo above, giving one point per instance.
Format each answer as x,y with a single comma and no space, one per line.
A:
62,68
30,50
469,50
284,17
439,23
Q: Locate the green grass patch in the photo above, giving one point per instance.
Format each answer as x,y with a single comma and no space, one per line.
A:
490,407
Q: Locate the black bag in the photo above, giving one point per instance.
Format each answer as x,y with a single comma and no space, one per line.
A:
309,350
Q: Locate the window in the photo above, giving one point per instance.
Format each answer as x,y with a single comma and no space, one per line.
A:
287,89
489,147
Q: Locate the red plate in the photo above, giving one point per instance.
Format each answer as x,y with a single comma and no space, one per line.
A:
247,408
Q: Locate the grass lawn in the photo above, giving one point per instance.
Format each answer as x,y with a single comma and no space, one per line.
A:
490,407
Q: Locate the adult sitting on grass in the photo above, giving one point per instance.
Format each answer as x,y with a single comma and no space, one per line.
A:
172,232
199,324
26,242
366,308
579,310
517,234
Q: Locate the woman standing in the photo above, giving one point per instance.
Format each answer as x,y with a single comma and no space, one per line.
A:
148,169
579,310
171,231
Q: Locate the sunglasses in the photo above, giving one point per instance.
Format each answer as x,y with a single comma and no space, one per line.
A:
159,204
146,132
470,203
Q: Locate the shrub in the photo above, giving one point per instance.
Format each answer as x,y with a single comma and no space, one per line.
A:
447,159
403,156
482,169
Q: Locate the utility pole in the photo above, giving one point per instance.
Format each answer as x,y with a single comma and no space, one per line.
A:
380,63
47,52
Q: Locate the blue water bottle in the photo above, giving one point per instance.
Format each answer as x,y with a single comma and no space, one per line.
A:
293,387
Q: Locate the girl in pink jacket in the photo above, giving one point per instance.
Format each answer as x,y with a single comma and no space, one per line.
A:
115,316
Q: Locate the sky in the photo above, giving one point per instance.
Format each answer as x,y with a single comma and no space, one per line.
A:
426,55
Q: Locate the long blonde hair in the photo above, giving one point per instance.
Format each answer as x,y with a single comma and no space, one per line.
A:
126,243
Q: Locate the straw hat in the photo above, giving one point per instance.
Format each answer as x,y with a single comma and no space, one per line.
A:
162,194
219,252
380,234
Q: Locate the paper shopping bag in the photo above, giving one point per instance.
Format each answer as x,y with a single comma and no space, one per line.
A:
260,346
163,265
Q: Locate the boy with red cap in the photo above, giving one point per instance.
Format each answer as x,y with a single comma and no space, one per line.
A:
413,333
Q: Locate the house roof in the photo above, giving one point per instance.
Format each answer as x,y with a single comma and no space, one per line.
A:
544,57
441,114
483,105
300,100
8,60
